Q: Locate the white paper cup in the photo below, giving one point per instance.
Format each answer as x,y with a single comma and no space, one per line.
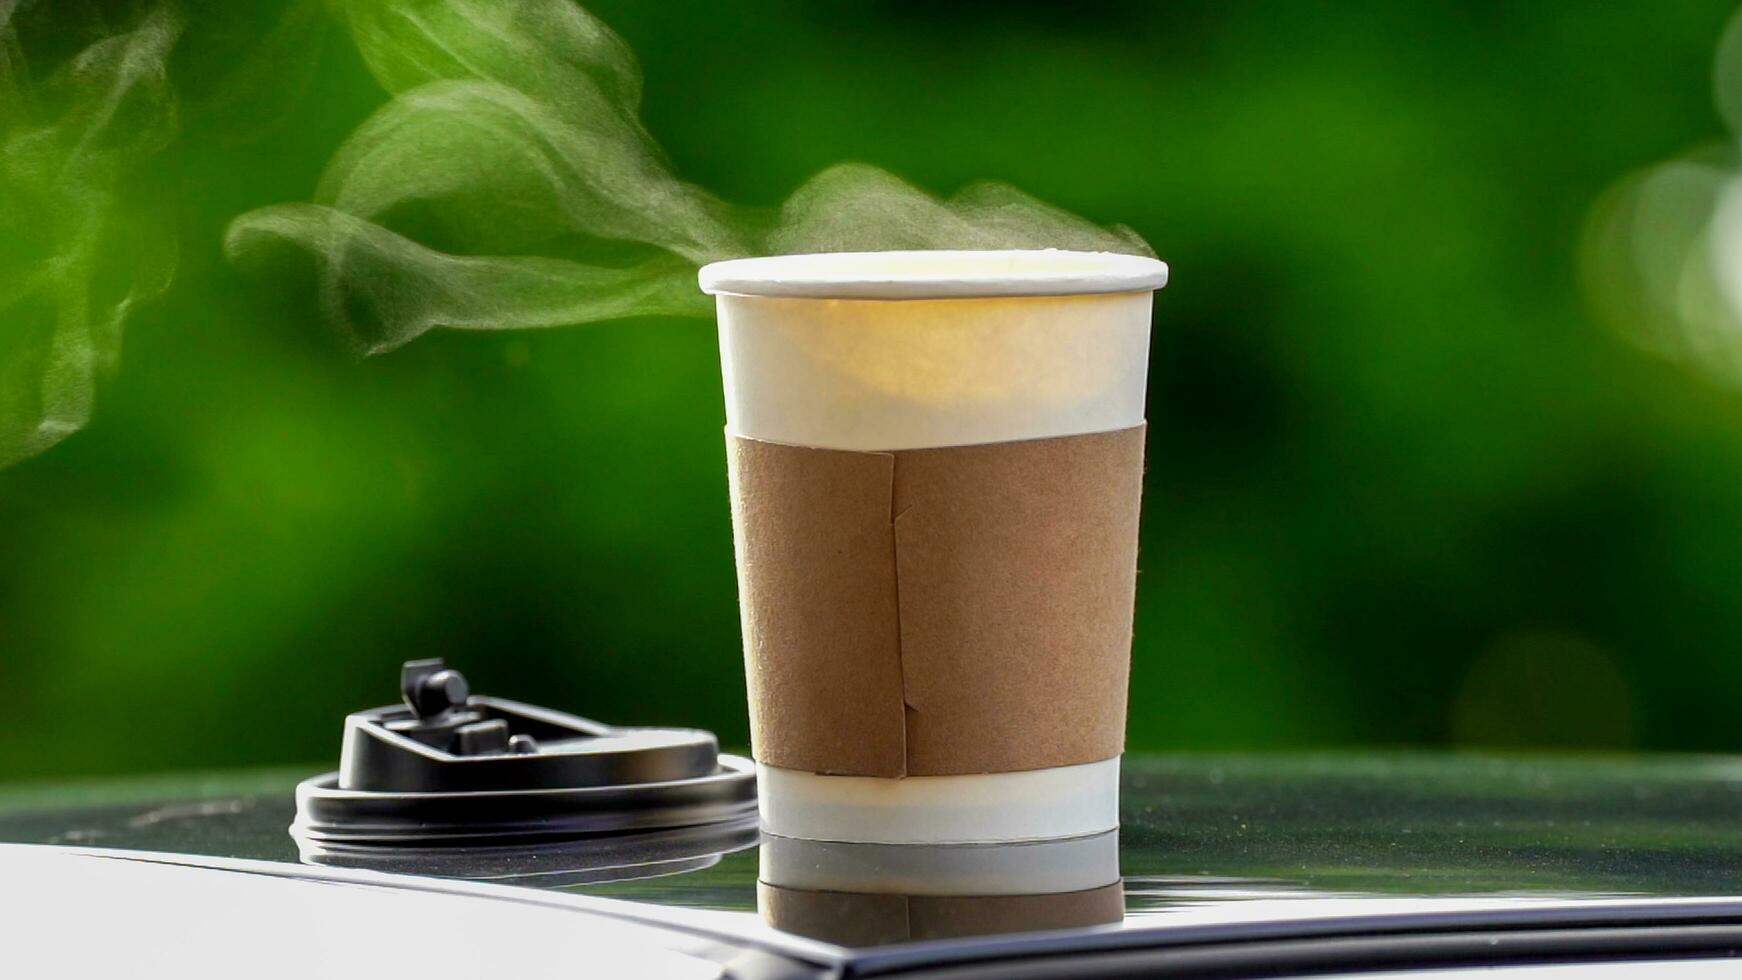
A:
881,351
914,350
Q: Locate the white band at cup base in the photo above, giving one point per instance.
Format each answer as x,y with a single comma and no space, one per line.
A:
1039,804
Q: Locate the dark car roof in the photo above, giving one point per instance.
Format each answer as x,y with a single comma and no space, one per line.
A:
1277,845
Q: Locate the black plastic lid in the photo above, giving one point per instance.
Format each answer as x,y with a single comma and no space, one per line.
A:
451,769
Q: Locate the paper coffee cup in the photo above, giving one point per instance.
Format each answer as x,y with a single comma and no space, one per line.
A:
936,466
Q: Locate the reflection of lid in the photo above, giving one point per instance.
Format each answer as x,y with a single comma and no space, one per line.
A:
448,769
870,894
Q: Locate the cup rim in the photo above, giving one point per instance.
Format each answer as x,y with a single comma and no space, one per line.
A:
935,274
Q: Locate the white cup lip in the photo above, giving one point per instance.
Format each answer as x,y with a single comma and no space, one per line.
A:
935,274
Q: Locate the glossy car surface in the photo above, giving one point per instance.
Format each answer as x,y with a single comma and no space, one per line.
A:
1247,865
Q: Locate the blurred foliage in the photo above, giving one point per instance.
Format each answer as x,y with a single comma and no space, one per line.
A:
1404,487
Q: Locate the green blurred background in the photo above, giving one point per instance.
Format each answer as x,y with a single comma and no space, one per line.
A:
1404,487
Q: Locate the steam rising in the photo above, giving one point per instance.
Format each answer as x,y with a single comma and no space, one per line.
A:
509,183
858,208
80,244
387,289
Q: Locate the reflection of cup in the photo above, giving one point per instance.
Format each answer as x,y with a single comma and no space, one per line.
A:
936,463
871,894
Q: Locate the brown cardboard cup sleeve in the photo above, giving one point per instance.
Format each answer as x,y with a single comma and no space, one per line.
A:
936,612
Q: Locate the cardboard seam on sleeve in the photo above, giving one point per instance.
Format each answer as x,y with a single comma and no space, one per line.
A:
937,611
